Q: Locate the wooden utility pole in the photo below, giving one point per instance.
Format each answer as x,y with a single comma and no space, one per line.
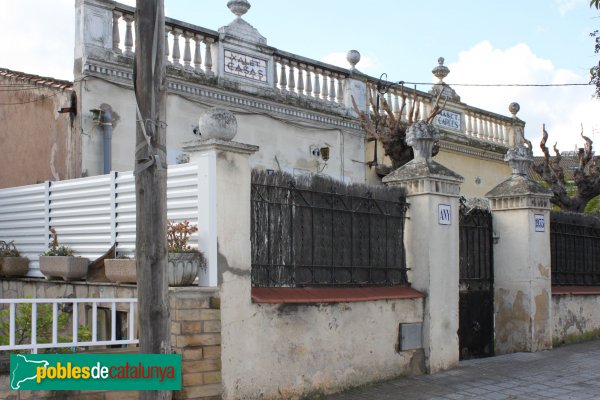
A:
151,183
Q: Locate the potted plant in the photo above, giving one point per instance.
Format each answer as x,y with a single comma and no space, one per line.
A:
184,260
11,262
121,269
59,262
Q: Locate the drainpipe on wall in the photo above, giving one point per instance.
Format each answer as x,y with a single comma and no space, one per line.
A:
107,127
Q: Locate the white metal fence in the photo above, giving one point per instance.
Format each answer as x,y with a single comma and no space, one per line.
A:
90,214
103,331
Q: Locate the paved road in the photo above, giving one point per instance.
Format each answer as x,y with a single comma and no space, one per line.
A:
569,372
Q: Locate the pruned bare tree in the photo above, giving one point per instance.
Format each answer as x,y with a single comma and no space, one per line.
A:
586,176
390,129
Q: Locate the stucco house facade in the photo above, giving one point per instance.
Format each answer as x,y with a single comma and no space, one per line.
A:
288,105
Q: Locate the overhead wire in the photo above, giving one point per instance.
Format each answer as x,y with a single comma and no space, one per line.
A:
499,84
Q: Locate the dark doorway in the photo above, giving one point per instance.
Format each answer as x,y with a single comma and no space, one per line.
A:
476,301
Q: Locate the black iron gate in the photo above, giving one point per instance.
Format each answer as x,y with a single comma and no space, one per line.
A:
476,304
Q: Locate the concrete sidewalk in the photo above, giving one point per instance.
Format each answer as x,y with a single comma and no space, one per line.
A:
568,372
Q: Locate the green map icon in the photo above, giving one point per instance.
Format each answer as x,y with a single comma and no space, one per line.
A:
23,369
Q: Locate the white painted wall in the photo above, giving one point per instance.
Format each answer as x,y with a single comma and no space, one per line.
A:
574,315
316,348
284,142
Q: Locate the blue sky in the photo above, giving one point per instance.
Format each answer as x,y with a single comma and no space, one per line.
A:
510,41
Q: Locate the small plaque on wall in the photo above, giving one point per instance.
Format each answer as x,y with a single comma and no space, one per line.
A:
444,215
245,66
540,223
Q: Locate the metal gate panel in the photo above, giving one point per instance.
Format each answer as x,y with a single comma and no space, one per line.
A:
476,299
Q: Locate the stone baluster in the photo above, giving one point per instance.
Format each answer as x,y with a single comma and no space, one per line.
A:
340,89
275,63
395,104
407,100
388,98
481,133
167,30
317,90
115,32
488,129
301,68
176,51
283,77
496,133
475,127
332,88
198,54
325,87
502,133
291,79
187,52
468,123
309,86
426,108
208,64
128,35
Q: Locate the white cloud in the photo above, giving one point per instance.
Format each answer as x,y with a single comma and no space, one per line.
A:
367,64
39,42
564,6
562,109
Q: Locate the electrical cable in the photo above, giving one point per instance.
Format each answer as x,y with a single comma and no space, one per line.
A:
498,84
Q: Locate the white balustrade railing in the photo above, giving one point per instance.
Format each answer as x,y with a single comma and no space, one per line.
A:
79,318
194,40
191,48
479,125
296,76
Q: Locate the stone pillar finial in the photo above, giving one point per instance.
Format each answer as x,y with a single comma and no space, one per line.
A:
440,71
421,136
238,7
353,57
514,109
519,157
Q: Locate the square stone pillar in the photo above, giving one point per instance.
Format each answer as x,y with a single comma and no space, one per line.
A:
522,285
224,205
432,252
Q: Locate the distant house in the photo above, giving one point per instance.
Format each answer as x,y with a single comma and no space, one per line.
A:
40,136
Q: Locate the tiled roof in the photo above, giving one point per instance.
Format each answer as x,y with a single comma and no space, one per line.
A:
569,163
36,79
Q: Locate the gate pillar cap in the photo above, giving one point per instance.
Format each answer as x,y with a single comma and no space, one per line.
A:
414,170
518,185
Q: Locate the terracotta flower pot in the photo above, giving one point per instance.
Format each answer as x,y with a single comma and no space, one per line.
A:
14,266
120,270
183,268
69,268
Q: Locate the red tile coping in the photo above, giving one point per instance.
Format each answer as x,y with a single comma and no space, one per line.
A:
331,295
581,290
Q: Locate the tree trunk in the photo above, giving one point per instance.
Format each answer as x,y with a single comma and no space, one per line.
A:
151,183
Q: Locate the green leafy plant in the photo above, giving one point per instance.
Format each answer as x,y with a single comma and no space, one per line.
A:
8,249
55,248
178,236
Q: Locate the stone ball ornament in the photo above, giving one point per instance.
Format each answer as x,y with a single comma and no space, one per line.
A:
238,7
217,123
353,57
514,108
